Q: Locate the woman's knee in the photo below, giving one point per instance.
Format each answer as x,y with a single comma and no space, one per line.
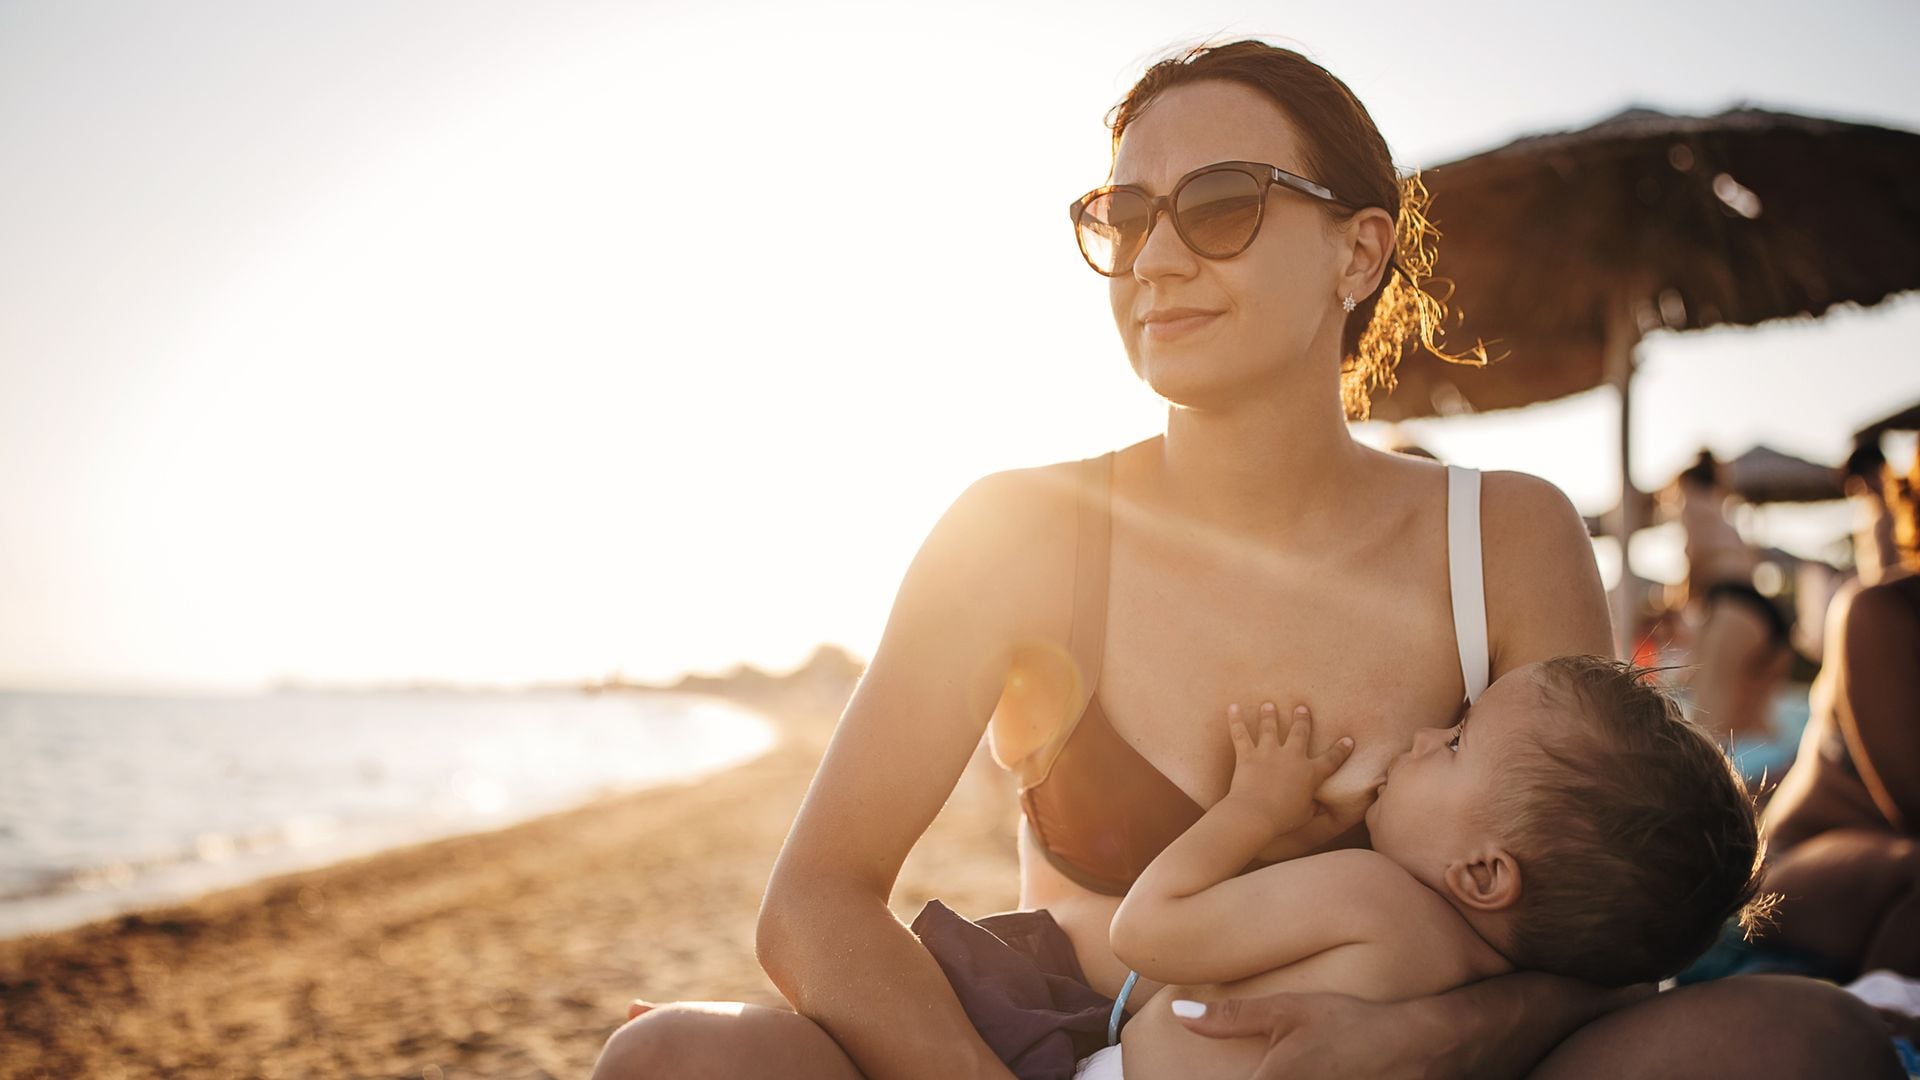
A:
1860,866
1822,1029
682,1039
719,1039
1753,1025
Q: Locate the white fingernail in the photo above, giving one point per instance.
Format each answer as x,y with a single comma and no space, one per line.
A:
1189,1010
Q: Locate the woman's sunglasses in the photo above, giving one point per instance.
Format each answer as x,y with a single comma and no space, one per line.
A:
1216,210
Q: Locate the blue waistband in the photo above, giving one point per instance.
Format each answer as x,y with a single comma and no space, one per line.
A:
1119,1008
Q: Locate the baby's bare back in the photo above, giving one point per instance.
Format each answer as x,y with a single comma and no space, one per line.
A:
1422,947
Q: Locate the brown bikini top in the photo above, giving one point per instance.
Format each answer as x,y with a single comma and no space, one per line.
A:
1099,810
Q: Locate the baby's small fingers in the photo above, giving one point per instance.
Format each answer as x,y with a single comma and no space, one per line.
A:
1302,727
1237,728
1269,723
1333,757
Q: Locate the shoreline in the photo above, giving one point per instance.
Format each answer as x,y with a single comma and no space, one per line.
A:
321,836
511,952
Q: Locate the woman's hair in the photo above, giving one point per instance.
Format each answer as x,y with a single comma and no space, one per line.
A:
1636,838
1703,473
1344,151
1865,464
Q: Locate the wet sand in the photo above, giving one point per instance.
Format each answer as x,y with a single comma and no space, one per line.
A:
501,954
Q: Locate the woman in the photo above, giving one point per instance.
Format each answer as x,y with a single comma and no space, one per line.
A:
1744,644
1844,827
1134,596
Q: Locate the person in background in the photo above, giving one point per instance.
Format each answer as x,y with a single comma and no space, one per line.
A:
1743,647
1864,480
1843,829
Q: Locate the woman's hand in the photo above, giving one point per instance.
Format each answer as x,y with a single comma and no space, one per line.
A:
1324,1035
1499,1027
1274,774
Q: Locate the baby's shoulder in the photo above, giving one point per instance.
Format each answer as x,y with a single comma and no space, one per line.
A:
1399,907
1413,942
1381,896
1366,867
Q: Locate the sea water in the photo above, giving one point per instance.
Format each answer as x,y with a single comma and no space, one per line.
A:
110,803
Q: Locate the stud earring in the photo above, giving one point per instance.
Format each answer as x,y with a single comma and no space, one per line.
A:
1347,303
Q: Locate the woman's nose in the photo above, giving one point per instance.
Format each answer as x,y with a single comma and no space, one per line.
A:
1164,254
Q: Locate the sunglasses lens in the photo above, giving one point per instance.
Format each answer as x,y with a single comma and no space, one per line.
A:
1219,212
1112,229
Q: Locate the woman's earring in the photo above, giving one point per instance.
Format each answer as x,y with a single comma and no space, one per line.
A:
1347,304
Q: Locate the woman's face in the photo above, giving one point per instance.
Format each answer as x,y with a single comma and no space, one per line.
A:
1269,310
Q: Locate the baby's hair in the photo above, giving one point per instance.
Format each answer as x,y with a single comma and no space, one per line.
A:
1637,840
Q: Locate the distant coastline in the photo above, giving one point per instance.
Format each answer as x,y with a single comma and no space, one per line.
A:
363,787
510,952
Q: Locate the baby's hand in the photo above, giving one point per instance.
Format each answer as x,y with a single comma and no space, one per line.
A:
1275,775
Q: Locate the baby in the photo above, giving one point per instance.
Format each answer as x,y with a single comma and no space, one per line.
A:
1572,822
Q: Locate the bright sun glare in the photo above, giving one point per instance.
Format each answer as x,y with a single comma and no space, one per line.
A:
565,346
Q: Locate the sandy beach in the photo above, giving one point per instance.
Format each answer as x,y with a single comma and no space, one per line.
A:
502,954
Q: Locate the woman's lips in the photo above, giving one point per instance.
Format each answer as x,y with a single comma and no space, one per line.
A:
1168,329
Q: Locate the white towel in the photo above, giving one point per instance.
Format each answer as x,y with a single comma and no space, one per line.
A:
1884,990
1102,1064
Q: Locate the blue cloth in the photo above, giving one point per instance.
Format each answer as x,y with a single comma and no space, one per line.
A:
1733,954
1768,756
1909,1056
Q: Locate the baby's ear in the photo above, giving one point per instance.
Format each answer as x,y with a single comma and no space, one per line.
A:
1488,880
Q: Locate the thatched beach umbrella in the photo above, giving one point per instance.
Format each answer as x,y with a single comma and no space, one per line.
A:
1907,419
1766,475
1565,249
1760,475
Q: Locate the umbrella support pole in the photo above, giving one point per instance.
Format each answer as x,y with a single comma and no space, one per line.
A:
1622,336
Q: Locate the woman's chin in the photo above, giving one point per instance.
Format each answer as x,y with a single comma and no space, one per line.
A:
1193,384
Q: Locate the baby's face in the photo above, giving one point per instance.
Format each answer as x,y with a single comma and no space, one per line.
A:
1438,803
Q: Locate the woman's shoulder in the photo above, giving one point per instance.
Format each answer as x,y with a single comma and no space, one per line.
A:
1525,502
1891,606
1511,503
1529,531
1011,535
1037,497
1025,490
1544,595
1012,509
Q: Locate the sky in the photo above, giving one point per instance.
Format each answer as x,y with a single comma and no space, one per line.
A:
497,343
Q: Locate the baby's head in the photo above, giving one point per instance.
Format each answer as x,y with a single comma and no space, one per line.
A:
1578,821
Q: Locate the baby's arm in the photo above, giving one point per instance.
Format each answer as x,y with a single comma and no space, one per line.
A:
1189,918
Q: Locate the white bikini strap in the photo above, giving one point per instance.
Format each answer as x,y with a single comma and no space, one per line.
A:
1464,574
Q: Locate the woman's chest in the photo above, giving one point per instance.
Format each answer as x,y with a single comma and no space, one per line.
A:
1373,656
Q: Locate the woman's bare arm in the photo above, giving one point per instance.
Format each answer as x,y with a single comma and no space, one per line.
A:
1879,708
826,935
1501,1027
